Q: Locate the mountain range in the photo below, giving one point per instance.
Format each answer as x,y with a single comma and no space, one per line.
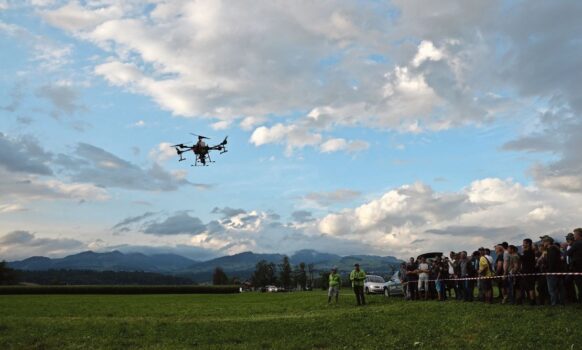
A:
240,265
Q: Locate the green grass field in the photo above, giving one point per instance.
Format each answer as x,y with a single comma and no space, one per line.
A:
278,321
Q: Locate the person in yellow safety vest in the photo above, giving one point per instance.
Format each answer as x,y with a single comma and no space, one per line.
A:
485,272
358,277
334,285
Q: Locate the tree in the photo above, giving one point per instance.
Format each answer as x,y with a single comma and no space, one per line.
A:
285,272
219,277
301,276
7,275
265,274
324,280
311,269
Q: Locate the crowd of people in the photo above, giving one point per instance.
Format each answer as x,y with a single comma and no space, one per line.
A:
516,275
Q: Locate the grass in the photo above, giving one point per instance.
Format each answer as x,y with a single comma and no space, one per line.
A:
277,321
129,289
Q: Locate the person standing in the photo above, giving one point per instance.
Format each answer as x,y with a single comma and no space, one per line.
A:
335,283
499,271
485,274
542,267
575,256
440,269
555,265
528,266
358,277
569,280
423,271
505,271
412,279
514,269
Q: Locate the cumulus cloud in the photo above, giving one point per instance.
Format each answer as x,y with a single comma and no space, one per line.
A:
307,57
293,136
23,244
186,56
487,211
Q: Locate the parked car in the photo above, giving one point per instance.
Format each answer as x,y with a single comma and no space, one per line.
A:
395,285
374,284
272,289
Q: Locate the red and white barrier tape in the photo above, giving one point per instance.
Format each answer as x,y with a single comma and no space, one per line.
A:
504,276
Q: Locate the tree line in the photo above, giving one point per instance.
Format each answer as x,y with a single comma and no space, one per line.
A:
266,273
10,276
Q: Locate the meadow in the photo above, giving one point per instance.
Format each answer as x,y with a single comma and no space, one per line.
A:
301,320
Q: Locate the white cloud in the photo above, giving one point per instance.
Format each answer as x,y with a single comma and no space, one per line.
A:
74,17
426,51
487,211
221,125
335,145
162,152
294,136
248,123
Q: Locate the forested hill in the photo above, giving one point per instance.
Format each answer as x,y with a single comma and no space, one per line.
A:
87,277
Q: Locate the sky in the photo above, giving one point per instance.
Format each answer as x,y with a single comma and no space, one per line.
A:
355,127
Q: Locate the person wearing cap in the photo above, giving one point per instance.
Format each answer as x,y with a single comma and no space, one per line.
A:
555,265
358,277
334,285
575,255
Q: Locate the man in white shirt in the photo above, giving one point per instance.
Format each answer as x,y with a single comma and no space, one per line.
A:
423,277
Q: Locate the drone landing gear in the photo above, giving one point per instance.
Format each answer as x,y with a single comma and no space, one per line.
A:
204,162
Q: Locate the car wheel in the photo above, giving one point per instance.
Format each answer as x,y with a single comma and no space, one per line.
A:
367,291
386,292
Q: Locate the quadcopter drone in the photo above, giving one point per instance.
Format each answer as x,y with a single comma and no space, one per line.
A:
201,150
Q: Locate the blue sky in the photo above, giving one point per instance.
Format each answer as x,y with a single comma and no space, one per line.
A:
350,131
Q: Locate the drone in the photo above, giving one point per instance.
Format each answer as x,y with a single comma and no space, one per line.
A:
201,150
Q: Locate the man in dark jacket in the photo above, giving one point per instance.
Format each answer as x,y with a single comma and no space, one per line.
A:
555,264
575,256
528,266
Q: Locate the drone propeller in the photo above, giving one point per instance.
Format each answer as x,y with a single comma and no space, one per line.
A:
181,145
200,136
225,141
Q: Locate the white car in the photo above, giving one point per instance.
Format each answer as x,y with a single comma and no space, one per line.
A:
374,284
272,289
394,286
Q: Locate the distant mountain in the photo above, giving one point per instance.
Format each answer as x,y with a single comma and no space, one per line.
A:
243,265
310,256
110,261
240,265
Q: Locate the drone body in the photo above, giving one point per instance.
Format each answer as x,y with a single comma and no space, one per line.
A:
201,150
